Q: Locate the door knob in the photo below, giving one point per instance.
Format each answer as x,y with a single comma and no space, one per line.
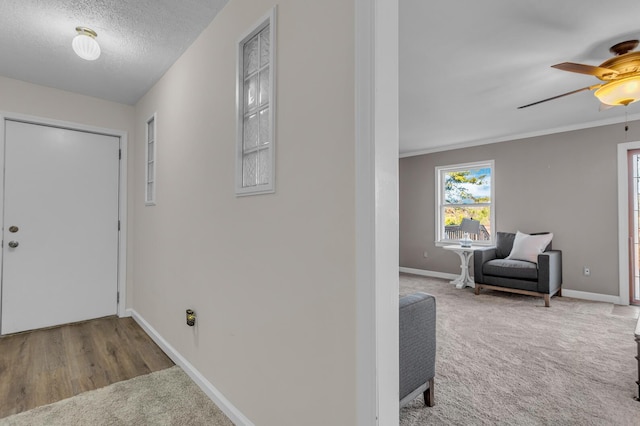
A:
13,244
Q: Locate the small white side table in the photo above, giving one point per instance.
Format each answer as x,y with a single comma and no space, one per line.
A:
465,253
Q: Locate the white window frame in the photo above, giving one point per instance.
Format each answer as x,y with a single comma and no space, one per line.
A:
268,21
150,178
439,225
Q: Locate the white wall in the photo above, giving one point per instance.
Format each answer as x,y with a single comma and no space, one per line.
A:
271,277
18,97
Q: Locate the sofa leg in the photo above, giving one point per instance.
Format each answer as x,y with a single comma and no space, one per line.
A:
546,300
429,395
559,293
477,289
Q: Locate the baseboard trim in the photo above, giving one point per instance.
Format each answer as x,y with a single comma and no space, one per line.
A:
214,394
595,297
576,294
425,273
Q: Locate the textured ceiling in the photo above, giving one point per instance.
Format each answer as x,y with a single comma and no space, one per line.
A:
139,39
466,65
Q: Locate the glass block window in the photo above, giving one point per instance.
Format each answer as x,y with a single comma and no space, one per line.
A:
465,191
255,108
150,167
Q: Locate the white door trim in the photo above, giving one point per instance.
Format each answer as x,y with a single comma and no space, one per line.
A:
122,190
623,219
376,151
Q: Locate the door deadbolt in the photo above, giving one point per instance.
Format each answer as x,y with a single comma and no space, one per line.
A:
13,244
13,229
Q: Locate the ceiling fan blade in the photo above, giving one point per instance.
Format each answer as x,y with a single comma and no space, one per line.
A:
586,69
560,96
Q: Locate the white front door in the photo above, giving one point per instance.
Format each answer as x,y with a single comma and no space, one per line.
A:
60,230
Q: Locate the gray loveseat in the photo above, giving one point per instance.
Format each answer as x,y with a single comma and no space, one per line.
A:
417,347
493,271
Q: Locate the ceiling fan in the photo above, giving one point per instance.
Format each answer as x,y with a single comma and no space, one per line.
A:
620,76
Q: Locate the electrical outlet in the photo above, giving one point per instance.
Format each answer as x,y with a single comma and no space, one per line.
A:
586,271
425,255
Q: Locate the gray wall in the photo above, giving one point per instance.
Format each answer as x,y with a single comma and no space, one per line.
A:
565,183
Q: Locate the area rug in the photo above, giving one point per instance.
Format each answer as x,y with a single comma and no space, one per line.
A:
505,359
166,397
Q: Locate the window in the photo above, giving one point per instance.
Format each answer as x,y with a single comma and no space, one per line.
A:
256,110
465,191
150,168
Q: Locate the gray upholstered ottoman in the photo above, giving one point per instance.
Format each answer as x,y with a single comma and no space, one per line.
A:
417,347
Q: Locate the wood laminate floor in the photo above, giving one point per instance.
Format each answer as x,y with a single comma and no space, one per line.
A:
43,366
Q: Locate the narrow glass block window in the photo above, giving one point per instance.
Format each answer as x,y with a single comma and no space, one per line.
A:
150,169
465,191
255,169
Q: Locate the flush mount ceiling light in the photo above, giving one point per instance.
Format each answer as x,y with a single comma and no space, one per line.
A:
85,44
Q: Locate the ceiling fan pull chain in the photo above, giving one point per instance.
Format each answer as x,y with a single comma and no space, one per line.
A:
626,123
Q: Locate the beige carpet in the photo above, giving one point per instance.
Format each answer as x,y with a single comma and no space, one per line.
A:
504,359
166,397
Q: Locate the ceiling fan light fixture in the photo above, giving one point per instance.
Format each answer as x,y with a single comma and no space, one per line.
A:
85,44
620,92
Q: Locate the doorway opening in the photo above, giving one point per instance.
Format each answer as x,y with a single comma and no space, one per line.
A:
634,226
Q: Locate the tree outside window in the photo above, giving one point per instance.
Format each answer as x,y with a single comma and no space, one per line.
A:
465,191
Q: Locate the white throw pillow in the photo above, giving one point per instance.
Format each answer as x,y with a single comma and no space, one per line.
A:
528,247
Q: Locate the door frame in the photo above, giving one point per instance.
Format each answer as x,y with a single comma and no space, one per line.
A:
633,226
122,188
377,214
623,219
